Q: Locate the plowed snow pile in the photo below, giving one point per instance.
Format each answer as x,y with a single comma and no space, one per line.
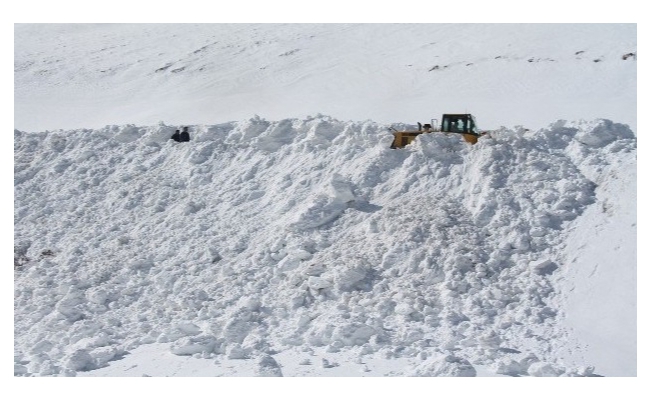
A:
261,236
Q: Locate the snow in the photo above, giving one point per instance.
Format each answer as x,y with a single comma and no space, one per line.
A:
388,73
287,238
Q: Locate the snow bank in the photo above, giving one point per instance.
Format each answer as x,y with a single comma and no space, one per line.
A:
259,236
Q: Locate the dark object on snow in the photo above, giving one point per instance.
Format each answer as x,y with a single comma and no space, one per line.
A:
184,136
181,137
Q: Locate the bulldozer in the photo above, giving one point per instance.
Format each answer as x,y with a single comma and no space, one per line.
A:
463,124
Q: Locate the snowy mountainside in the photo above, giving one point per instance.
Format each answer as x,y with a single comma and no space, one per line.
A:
260,236
88,75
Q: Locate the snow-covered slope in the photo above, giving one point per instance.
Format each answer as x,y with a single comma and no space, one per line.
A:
286,238
260,237
87,76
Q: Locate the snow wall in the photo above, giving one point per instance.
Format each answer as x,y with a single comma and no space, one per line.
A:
261,235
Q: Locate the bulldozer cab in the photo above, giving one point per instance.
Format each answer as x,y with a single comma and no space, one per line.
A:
463,124
458,123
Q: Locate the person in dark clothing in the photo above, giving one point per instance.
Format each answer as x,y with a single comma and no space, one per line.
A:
175,137
184,136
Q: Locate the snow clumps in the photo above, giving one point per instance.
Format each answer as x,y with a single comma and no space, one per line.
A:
260,235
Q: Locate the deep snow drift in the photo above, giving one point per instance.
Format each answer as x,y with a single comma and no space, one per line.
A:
260,239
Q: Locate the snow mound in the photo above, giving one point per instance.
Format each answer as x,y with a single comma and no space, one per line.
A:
446,365
267,366
262,235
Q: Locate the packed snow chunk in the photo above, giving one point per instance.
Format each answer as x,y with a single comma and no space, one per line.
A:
71,305
141,265
85,336
268,367
245,131
128,134
251,303
41,347
188,328
237,352
354,334
510,367
279,134
341,189
316,283
526,361
80,360
543,267
293,259
202,153
544,369
326,207
601,132
102,355
582,371
403,309
240,323
321,211
194,345
557,136
490,339
327,364
20,370
321,134
350,277
445,365
97,295
158,135
444,149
